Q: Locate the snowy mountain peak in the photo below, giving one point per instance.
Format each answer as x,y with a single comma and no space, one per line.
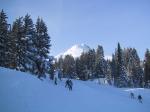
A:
75,50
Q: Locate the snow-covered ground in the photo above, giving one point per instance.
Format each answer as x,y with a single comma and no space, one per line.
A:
22,92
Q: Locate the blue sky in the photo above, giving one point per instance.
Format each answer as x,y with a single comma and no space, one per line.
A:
92,22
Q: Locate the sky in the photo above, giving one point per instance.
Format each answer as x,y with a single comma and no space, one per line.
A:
92,22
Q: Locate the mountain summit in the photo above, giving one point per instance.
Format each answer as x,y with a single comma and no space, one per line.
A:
75,50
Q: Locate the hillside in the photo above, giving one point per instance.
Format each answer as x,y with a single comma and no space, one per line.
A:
22,92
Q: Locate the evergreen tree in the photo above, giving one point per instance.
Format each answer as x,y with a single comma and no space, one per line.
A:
24,47
11,56
113,67
129,60
84,63
129,64
120,79
147,69
81,70
108,72
59,63
3,39
87,64
100,63
78,68
133,66
42,47
137,71
29,32
69,66
91,62
51,68
20,44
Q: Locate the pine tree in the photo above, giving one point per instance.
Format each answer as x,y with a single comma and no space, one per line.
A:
51,67
84,64
129,64
120,79
78,68
113,67
19,44
42,47
24,47
69,66
81,70
147,69
29,32
12,51
3,39
59,63
137,71
133,66
51,71
100,63
108,72
91,62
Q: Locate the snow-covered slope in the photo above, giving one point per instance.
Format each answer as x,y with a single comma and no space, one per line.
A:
77,50
22,92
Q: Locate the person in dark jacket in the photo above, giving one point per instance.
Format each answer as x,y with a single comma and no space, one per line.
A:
55,81
69,84
140,98
132,95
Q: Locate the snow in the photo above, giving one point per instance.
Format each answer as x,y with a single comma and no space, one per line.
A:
22,92
108,57
75,50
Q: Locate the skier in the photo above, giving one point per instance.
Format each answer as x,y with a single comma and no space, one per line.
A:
67,83
140,98
70,85
132,95
55,81
60,75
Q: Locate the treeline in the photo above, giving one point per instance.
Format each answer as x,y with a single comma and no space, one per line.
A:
25,46
124,70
